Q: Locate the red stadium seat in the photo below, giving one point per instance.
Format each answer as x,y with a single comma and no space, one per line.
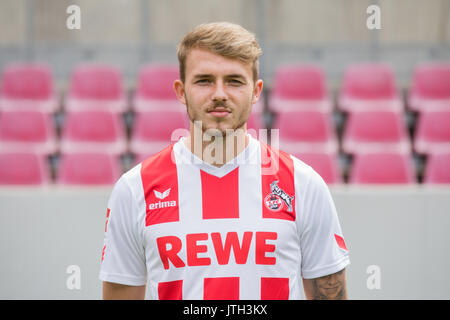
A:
382,168
325,164
153,130
432,132
299,87
88,169
96,87
437,169
91,131
369,86
28,86
154,88
23,169
373,131
430,87
30,131
306,131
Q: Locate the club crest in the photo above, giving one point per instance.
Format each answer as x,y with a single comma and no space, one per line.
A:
277,196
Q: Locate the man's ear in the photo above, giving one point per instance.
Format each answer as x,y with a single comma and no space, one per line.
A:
257,90
178,87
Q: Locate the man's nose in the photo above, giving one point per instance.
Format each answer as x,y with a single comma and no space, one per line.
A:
219,93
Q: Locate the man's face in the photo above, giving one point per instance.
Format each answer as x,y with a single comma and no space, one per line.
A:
218,91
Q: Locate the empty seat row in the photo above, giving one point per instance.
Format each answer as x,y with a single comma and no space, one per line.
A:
74,169
299,131
364,86
91,87
295,86
104,169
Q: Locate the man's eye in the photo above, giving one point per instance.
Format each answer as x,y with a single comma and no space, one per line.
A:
203,81
235,82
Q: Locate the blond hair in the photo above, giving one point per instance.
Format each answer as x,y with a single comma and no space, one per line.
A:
223,38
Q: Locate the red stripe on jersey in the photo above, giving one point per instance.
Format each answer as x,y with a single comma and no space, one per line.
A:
160,183
103,252
221,288
278,187
107,218
220,196
340,242
274,288
172,290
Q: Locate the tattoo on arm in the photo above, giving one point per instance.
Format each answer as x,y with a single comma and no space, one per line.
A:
330,287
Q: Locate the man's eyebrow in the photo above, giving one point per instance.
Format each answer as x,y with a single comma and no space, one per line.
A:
235,75
203,75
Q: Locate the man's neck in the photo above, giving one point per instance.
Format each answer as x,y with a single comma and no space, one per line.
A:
219,149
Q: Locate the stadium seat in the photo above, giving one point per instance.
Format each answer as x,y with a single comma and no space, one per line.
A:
96,87
28,86
437,169
432,132
430,87
299,87
153,130
325,164
382,168
369,86
371,131
23,169
154,88
90,131
30,131
88,169
306,131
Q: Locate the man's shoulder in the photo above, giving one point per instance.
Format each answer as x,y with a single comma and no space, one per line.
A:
157,162
286,159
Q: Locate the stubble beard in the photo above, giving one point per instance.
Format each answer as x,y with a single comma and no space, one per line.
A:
218,129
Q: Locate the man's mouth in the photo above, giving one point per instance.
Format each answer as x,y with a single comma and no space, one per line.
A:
219,112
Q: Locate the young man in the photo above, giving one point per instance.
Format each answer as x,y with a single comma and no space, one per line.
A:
218,214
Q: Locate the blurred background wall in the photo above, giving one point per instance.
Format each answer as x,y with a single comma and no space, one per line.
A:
128,33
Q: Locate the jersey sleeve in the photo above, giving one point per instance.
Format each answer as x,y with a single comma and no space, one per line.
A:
123,257
321,240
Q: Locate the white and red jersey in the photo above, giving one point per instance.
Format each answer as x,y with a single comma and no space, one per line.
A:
190,230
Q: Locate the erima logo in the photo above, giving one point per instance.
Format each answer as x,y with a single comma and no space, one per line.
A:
162,195
162,204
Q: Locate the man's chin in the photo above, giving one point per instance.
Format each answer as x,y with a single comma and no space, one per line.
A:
222,130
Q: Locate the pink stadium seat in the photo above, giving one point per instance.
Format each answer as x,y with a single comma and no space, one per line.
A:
153,130
299,87
369,86
382,168
437,169
430,87
88,169
306,131
154,88
91,131
432,132
370,131
96,87
325,164
30,131
23,169
28,86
